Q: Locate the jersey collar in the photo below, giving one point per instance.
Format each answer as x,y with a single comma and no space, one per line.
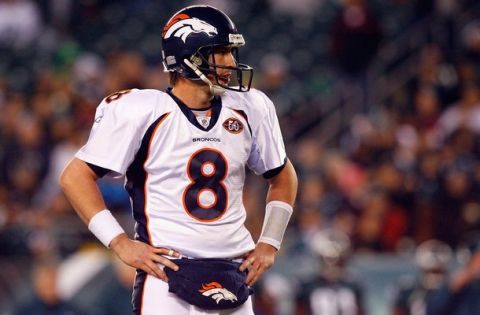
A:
187,111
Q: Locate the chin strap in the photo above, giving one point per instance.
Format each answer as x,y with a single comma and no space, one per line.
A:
214,89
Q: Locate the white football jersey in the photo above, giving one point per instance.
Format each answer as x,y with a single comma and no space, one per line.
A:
186,181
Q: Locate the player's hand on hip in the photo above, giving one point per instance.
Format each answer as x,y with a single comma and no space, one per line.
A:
143,256
258,261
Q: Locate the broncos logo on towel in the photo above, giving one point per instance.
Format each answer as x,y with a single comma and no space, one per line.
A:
182,26
217,292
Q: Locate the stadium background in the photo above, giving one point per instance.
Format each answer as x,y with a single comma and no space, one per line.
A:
378,101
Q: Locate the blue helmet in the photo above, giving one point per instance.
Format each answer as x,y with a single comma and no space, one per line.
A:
192,35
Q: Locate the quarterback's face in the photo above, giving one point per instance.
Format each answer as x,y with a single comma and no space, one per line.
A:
222,57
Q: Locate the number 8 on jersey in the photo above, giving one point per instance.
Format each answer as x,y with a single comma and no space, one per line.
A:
205,198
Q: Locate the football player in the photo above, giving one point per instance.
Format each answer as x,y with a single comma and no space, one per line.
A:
333,291
413,295
184,154
459,293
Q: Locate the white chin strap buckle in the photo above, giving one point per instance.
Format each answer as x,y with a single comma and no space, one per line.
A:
214,89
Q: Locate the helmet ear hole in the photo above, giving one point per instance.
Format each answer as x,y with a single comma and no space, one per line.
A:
196,60
203,56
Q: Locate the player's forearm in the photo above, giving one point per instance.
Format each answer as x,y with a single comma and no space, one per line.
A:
279,208
283,187
78,182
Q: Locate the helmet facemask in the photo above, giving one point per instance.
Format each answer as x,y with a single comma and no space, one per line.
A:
206,68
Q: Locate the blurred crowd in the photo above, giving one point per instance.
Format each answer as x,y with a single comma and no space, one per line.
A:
399,173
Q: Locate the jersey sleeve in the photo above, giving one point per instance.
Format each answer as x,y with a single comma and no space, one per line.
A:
268,149
116,133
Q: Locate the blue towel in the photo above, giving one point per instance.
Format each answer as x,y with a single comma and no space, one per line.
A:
212,284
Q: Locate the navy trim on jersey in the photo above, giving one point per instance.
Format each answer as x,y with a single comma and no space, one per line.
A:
244,115
275,171
137,294
98,170
135,185
187,111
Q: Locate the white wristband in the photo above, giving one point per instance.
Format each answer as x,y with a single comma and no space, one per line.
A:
277,215
105,227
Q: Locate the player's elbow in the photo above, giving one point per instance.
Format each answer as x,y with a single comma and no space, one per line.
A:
66,178
72,175
284,186
293,181
289,178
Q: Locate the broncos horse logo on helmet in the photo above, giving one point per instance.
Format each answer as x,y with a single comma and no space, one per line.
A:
192,35
183,27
